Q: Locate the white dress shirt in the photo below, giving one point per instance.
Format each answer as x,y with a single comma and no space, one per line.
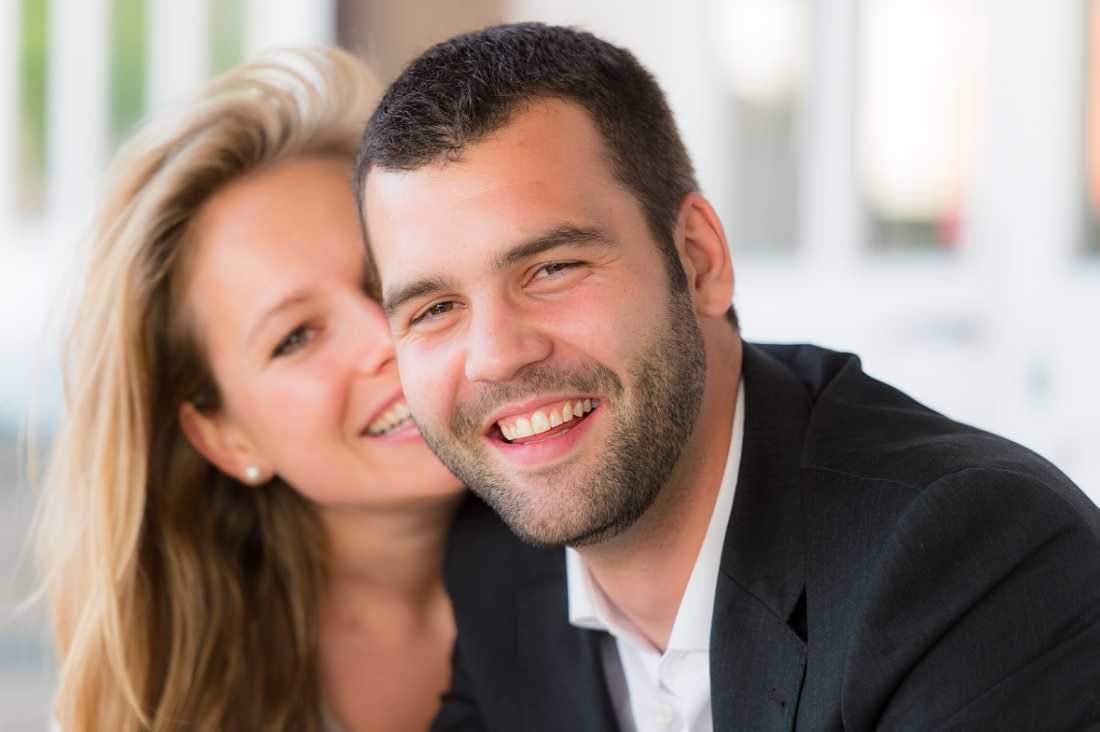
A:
653,691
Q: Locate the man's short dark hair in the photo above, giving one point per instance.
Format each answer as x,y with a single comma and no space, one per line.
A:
460,91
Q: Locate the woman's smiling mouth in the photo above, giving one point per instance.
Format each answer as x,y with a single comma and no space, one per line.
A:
395,418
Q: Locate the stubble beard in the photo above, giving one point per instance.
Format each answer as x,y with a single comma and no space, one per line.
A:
577,504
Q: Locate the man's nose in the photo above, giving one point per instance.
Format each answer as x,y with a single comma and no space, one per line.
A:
500,343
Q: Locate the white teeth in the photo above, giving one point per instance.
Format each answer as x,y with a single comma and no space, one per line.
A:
395,416
545,419
539,422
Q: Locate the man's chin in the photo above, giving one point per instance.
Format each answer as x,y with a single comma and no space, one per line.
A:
550,527
569,504
599,534
557,537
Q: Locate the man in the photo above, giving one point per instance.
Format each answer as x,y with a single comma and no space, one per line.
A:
755,537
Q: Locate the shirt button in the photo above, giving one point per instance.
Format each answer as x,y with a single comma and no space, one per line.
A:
665,716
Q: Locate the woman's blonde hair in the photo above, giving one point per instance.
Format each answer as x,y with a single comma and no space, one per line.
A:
181,598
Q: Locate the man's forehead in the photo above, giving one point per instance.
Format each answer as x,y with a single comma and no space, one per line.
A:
549,142
472,225
411,221
467,237
545,167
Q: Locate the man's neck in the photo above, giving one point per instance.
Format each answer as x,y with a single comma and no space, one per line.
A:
645,570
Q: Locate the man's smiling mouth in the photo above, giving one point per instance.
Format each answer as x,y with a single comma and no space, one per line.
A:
546,421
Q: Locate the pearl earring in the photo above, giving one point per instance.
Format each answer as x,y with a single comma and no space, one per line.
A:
252,474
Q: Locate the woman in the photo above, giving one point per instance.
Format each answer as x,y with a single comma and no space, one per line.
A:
242,528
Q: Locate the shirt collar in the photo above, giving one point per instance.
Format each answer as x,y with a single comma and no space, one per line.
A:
590,608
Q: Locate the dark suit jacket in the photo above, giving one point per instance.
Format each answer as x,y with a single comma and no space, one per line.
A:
884,568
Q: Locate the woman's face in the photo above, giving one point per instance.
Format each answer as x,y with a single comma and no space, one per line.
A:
302,356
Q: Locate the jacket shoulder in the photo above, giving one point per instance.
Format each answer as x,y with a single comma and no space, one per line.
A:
869,430
951,571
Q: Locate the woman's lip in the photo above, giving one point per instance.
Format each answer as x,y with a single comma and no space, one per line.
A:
409,432
381,409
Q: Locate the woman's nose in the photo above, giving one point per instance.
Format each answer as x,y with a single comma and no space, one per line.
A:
376,346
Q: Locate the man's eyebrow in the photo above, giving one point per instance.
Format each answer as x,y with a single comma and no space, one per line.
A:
563,235
395,298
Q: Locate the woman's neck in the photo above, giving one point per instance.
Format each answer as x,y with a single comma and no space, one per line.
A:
384,556
386,625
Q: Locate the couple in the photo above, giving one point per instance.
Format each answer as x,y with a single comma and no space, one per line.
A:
245,531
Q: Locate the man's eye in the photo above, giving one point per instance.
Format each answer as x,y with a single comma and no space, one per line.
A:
433,311
554,268
293,341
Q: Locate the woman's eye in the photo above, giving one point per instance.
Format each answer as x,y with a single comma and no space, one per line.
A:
293,341
434,311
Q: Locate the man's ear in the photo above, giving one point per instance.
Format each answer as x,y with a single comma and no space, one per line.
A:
705,255
223,443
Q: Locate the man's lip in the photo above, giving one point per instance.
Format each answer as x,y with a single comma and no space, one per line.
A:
379,409
531,405
544,453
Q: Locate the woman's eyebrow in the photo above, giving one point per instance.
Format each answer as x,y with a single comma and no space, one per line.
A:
292,298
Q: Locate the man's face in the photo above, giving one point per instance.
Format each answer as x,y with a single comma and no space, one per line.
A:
541,351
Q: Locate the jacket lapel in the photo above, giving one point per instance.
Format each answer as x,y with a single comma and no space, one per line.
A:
561,664
757,659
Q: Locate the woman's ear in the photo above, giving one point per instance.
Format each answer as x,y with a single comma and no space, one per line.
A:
224,444
705,254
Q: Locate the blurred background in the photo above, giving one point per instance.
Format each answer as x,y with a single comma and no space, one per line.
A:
917,181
